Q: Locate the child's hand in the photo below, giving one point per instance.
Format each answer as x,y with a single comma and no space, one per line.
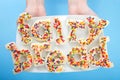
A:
35,8
76,7
79,7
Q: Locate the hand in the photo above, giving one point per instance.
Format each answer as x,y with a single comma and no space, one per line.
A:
35,8
79,7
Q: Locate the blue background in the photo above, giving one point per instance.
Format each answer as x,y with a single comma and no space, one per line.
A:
107,9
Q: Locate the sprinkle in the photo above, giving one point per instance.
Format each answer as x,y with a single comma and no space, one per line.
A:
55,60
35,31
82,62
38,49
16,54
23,27
58,27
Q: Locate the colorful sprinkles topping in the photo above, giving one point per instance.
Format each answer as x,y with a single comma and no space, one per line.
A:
24,28
58,27
17,54
38,49
55,61
82,62
45,37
